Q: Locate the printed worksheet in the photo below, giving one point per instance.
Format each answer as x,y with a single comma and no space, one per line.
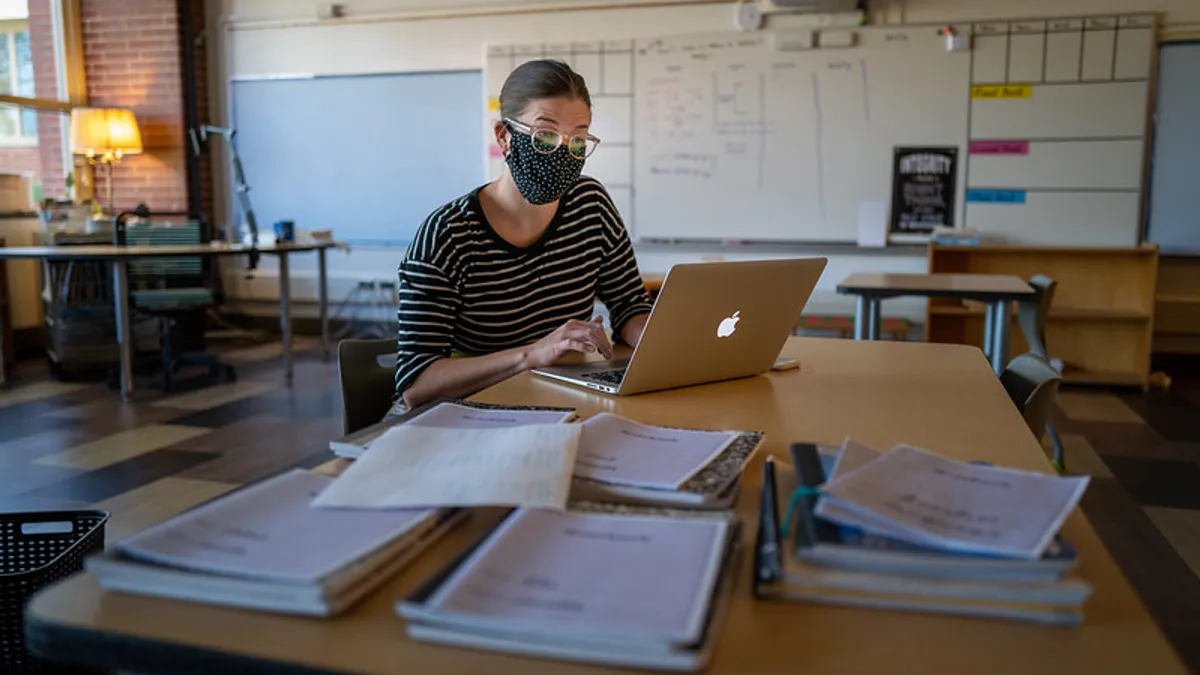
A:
458,416
645,578
269,531
418,466
973,508
613,449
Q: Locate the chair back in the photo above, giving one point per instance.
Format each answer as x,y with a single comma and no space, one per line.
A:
1032,384
1033,312
368,388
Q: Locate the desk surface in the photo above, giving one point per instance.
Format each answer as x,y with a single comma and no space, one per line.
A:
972,286
109,252
943,397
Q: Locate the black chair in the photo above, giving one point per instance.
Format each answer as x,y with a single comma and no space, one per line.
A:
1032,384
1031,315
368,387
173,293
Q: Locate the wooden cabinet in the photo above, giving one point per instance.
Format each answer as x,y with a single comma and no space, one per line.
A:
1101,320
1177,306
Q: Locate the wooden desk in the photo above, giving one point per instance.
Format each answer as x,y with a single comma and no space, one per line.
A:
942,397
119,255
998,290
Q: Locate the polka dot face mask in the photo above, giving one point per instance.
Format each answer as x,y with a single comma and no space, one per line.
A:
541,177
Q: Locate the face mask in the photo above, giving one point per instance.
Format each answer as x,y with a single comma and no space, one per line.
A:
541,178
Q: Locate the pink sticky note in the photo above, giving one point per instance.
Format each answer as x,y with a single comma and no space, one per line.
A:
999,147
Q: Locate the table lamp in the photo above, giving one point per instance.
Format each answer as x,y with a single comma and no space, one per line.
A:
105,135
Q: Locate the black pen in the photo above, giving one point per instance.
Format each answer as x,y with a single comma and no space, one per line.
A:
770,555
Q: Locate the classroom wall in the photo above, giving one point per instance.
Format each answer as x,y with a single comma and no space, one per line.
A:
265,38
132,60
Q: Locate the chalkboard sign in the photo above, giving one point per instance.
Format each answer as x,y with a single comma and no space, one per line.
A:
923,181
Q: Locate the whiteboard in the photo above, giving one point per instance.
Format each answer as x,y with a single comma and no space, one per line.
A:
1174,198
735,139
362,154
731,137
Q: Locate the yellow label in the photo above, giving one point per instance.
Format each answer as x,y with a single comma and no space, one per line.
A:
1001,91
493,104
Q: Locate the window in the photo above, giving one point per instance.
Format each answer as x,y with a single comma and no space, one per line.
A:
16,77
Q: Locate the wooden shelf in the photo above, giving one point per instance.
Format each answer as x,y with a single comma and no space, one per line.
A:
1178,299
1102,315
1056,314
1103,377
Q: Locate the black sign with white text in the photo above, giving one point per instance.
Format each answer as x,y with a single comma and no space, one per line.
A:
923,182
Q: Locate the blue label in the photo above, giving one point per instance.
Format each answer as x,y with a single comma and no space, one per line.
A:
996,196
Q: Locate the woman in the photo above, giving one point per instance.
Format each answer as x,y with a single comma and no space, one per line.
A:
506,276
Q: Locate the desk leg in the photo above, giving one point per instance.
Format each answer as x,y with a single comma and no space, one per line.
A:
1002,324
124,329
861,310
989,331
323,302
285,317
874,318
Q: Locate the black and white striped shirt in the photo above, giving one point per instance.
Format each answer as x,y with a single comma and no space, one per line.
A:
465,289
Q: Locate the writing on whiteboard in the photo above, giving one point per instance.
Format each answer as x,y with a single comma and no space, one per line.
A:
992,91
999,147
996,196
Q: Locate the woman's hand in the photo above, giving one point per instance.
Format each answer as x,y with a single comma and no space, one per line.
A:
587,337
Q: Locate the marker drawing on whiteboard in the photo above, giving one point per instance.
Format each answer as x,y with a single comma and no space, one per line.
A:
820,160
862,63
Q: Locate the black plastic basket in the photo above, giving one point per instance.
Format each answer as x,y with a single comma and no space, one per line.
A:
37,549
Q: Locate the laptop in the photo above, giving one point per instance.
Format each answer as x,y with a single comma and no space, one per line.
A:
712,321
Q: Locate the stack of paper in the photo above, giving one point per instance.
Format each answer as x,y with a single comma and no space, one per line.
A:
266,547
603,584
452,415
621,460
417,466
909,529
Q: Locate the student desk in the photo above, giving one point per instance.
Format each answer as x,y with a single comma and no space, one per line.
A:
998,290
118,256
942,397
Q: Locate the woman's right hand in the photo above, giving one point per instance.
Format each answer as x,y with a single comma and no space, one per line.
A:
587,337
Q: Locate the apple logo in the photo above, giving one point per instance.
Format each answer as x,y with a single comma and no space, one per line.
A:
728,325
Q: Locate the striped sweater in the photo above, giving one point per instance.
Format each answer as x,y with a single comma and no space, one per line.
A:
465,289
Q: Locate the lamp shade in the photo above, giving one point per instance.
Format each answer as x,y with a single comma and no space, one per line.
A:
104,133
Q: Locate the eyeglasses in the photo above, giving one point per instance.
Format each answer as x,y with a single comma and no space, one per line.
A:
547,141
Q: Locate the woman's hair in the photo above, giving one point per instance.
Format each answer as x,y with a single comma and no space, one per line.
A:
543,78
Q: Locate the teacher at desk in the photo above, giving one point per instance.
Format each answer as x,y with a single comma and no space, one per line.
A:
505,278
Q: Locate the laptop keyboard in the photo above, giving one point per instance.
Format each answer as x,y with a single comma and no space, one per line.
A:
612,377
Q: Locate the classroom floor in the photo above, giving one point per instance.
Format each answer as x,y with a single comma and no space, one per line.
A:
77,445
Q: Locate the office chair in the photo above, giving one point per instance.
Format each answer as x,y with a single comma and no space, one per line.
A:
1031,316
368,387
1032,384
173,291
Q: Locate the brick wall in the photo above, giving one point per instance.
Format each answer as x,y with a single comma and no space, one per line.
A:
51,125
132,58
21,160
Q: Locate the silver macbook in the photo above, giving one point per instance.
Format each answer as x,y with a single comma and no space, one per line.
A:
712,321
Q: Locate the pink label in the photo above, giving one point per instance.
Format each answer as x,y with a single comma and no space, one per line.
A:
999,147
495,151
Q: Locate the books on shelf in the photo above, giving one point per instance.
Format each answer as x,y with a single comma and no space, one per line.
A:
623,461
846,564
452,414
608,584
266,547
